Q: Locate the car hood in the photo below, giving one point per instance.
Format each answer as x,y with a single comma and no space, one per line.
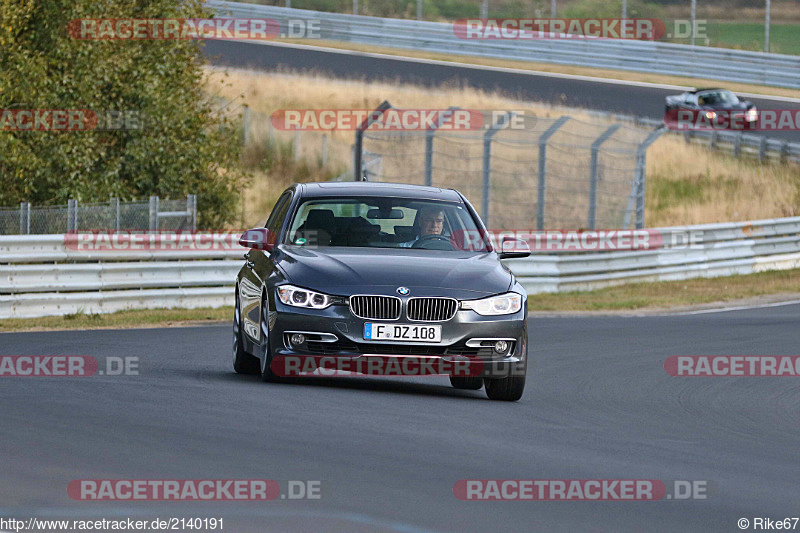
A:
344,271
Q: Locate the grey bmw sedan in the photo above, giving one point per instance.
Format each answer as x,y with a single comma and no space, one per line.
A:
351,270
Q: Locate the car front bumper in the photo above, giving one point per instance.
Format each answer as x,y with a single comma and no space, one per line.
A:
467,336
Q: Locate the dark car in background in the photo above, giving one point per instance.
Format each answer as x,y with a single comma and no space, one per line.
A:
720,105
348,269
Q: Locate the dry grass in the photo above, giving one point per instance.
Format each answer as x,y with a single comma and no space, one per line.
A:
139,318
687,184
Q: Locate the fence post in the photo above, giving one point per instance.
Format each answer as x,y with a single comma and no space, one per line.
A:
359,141
153,213
114,205
191,201
429,135
246,119
24,218
540,202
296,145
72,216
638,186
324,149
487,166
593,172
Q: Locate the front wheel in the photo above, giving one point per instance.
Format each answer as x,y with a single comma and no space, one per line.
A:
508,389
243,362
267,375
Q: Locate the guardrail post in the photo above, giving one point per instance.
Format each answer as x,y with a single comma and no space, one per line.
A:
712,144
784,154
762,149
737,145
153,213
593,172
359,141
540,203
72,215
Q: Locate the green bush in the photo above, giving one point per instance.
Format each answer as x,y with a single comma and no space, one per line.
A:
183,147
611,9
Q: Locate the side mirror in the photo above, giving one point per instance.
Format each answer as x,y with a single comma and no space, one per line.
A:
258,239
513,248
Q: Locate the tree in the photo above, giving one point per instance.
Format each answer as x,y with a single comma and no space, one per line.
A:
183,146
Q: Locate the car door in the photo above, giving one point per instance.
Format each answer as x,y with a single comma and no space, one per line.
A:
259,268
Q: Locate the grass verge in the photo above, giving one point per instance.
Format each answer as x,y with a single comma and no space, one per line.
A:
671,294
119,320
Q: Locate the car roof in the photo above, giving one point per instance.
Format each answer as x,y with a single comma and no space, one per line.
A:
697,91
371,188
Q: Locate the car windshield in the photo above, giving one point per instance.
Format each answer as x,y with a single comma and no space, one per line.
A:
717,97
385,223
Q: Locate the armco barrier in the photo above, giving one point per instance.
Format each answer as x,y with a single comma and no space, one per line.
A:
40,276
438,37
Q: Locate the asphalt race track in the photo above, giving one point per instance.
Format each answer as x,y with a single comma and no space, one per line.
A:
599,405
625,98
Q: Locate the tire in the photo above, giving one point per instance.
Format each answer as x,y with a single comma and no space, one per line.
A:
508,389
265,367
243,362
466,383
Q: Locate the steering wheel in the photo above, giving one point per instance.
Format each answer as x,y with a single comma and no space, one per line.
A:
438,240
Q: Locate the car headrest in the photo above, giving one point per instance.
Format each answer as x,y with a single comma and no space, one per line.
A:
320,219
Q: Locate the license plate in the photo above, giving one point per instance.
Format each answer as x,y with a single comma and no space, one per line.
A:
402,332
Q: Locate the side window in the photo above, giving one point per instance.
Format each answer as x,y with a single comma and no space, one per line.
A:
275,220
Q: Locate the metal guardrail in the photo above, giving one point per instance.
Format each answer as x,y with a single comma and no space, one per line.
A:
723,250
101,282
40,275
641,56
736,143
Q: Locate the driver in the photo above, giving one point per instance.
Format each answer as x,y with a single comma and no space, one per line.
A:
430,221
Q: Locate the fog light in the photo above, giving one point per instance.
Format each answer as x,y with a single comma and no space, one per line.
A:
298,339
500,346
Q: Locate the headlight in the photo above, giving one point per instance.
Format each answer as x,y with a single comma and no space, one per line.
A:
504,304
710,115
751,114
297,297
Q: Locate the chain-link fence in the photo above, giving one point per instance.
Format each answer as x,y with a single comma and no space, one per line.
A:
154,214
541,173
